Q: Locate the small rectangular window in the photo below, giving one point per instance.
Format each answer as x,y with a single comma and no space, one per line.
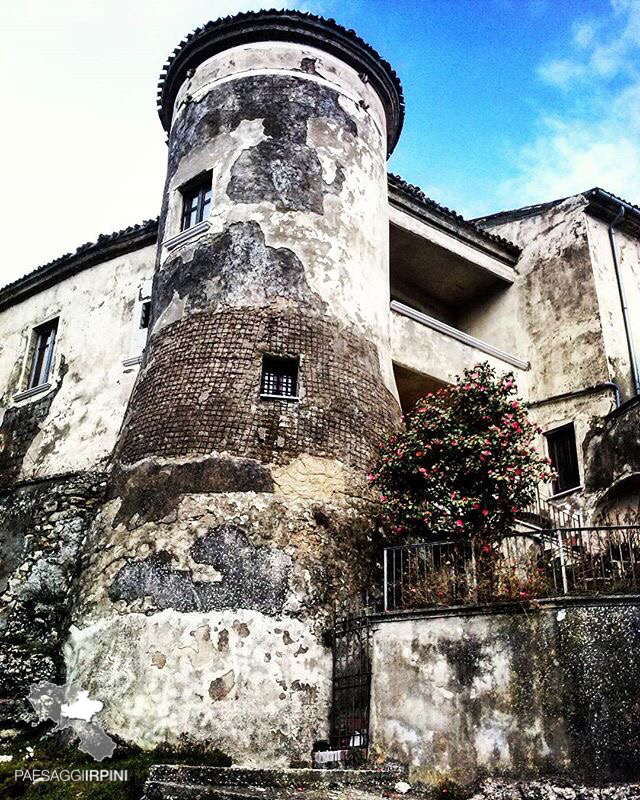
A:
196,202
145,314
42,359
279,376
561,443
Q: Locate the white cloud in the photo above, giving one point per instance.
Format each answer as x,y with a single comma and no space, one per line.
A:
594,138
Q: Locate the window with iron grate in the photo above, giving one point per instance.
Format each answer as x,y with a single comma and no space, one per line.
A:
279,376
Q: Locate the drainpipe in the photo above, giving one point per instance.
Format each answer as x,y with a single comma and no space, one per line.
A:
635,379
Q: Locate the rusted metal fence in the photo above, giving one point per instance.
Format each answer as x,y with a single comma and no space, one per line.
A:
521,566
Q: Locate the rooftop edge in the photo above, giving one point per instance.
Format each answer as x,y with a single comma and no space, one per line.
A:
290,26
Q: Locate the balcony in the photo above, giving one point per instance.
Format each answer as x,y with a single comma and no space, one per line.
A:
520,567
429,353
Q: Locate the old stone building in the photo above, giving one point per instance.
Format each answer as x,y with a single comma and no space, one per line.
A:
190,406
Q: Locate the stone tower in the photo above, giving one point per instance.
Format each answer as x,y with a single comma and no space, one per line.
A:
238,494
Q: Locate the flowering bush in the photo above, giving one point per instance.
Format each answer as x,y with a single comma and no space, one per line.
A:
465,463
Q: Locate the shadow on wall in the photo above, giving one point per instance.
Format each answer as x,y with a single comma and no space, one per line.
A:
620,504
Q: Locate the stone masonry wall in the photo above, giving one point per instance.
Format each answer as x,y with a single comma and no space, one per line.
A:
200,391
42,529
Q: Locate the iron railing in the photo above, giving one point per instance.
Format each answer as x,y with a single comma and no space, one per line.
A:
542,514
521,566
351,685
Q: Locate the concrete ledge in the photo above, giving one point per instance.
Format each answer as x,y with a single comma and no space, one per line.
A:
454,333
509,607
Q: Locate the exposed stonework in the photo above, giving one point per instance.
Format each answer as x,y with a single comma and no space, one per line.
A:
612,448
20,425
199,391
42,530
553,789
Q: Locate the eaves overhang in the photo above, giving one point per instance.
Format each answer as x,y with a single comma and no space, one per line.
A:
605,206
283,26
412,200
105,248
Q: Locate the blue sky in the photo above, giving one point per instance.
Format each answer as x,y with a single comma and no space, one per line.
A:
509,102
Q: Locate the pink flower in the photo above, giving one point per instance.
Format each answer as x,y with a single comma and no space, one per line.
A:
485,512
459,523
383,498
422,470
419,454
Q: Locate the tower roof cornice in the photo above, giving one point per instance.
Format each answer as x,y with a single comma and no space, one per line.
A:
285,26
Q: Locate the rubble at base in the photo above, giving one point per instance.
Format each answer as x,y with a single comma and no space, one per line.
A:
549,789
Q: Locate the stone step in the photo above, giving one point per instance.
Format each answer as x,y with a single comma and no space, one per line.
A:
264,778
179,782
183,791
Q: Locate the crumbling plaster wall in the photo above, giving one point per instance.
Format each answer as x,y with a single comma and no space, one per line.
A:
73,426
236,521
556,304
527,692
554,301
609,297
583,411
43,525
296,142
209,624
612,453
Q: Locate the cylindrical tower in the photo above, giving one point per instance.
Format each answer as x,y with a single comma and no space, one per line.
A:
238,484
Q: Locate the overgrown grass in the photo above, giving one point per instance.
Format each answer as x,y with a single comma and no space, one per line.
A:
49,754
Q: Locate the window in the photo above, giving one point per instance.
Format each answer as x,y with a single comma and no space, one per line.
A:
279,376
45,339
196,202
145,314
564,457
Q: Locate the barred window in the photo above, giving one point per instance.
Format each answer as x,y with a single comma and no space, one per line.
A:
279,376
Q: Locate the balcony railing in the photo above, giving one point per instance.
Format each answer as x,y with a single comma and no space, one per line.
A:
521,567
541,513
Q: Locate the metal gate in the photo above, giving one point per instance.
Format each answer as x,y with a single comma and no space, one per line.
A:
351,686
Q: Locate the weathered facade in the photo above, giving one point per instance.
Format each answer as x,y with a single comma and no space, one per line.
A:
184,496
